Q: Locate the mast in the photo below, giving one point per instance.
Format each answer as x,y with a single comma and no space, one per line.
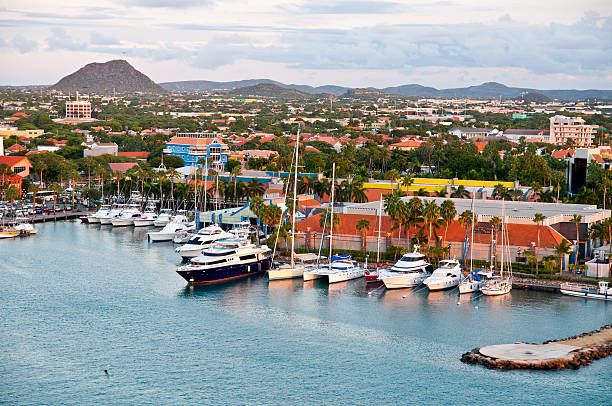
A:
472,240
380,207
331,225
501,272
295,178
195,198
205,183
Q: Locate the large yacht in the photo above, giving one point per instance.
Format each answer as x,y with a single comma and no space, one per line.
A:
411,270
204,238
178,225
127,216
446,276
341,268
226,260
95,218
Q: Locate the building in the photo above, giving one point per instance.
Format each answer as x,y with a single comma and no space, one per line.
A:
100,148
515,135
78,110
20,165
574,129
469,132
578,161
407,145
6,132
192,147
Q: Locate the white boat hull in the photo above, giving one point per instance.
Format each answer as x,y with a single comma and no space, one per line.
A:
308,275
118,222
346,275
159,237
106,220
442,284
399,281
496,287
191,253
160,223
588,295
470,287
285,273
93,220
143,223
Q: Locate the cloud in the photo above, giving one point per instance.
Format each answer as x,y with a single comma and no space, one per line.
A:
97,38
168,3
23,45
62,40
349,7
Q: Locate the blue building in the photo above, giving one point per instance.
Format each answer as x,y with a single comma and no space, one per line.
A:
192,147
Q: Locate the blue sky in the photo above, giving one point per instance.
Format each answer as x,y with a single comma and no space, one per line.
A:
544,44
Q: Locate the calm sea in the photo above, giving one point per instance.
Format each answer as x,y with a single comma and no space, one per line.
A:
76,298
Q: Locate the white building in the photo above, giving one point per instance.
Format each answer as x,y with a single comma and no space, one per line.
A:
564,128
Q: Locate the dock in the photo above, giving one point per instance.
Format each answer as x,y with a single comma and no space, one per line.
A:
43,218
572,352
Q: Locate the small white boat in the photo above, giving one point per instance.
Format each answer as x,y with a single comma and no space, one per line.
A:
147,218
602,292
410,271
127,216
6,232
25,228
342,268
302,263
205,238
165,216
95,218
112,213
178,225
446,276
473,282
496,286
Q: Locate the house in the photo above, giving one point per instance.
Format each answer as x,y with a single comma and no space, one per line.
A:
100,148
408,145
15,148
468,132
20,165
121,166
515,135
140,155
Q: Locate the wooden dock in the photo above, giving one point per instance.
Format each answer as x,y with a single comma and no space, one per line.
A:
43,218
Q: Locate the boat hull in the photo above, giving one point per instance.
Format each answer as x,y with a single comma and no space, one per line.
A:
106,220
143,223
345,275
442,284
225,274
122,222
587,294
309,276
159,237
403,281
287,273
470,287
84,219
93,220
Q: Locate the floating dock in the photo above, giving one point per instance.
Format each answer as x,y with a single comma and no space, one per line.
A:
572,352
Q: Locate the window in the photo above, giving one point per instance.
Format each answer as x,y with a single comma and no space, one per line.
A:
247,257
19,169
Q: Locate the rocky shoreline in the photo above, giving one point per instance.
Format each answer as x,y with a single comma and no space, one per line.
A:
599,346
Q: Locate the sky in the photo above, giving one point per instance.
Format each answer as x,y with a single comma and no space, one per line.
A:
560,44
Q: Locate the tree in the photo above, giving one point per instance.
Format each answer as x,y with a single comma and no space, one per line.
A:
461,192
538,219
562,250
448,212
465,218
363,226
431,217
34,189
12,193
236,171
393,174
500,191
576,220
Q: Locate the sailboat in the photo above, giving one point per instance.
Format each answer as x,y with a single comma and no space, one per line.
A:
292,269
340,267
371,276
502,284
472,282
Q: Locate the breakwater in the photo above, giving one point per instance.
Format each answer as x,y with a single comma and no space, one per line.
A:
572,352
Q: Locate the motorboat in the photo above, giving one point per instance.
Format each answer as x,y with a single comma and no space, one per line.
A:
473,282
446,276
148,217
201,240
411,270
95,217
242,229
302,263
112,213
7,232
602,292
226,260
127,216
164,217
23,227
178,225
341,268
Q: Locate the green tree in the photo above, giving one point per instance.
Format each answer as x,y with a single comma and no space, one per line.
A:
363,226
539,220
448,212
562,250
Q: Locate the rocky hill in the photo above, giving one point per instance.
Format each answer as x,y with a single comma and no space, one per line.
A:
270,90
113,76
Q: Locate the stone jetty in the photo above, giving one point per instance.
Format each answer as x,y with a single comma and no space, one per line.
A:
572,352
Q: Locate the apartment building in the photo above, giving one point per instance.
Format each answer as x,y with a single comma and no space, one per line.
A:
563,129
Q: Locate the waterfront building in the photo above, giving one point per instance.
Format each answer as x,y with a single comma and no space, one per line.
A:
192,147
20,165
564,129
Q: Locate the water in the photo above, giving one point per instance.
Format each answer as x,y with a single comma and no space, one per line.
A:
76,298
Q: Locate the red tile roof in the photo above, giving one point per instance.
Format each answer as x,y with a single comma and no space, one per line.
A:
16,148
598,158
15,160
563,153
135,154
192,141
121,166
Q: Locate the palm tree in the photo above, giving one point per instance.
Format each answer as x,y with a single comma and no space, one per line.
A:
392,207
465,218
461,192
363,226
576,219
500,191
306,184
407,181
562,250
415,213
236,171
11,194
322,187
515,194
325,220
448,212
34,189
495,222
538,219
431,216
393,174
173,174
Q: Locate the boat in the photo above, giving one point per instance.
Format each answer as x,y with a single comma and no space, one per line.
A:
242,229
371,275
164,217
205,238
24,227
178,225
8,232
446,276
112,213
148,217
95,217
127,216
227,260
500,284
602,292
473,281
411,270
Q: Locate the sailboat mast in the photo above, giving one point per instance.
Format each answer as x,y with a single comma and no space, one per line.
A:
295,177
195,199
380,206
205,183
502,239
472,239
331,223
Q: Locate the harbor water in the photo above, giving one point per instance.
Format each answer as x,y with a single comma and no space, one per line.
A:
76,298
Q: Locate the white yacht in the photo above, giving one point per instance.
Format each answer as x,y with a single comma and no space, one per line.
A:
102,211
178,225
411,270
148,217
446,276
342,268
226,260
127,216
602,292
165,215
473,282
301,264
112,213
201,240
242,229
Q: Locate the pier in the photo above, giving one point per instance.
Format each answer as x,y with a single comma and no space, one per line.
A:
572,352
43,218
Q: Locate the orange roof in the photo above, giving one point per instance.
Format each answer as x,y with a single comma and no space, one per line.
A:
16,148
563,153
136,154
407,144
311,148
35,152
15,160
598,158
480,145
121,166
192,141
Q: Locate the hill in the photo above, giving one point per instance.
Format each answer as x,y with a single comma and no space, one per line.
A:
113,76
533,97
270,90
210,86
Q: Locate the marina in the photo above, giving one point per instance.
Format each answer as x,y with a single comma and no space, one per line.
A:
122,304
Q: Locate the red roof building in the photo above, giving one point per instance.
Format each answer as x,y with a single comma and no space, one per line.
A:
135,154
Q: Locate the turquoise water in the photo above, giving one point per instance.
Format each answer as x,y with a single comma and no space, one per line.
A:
76,298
